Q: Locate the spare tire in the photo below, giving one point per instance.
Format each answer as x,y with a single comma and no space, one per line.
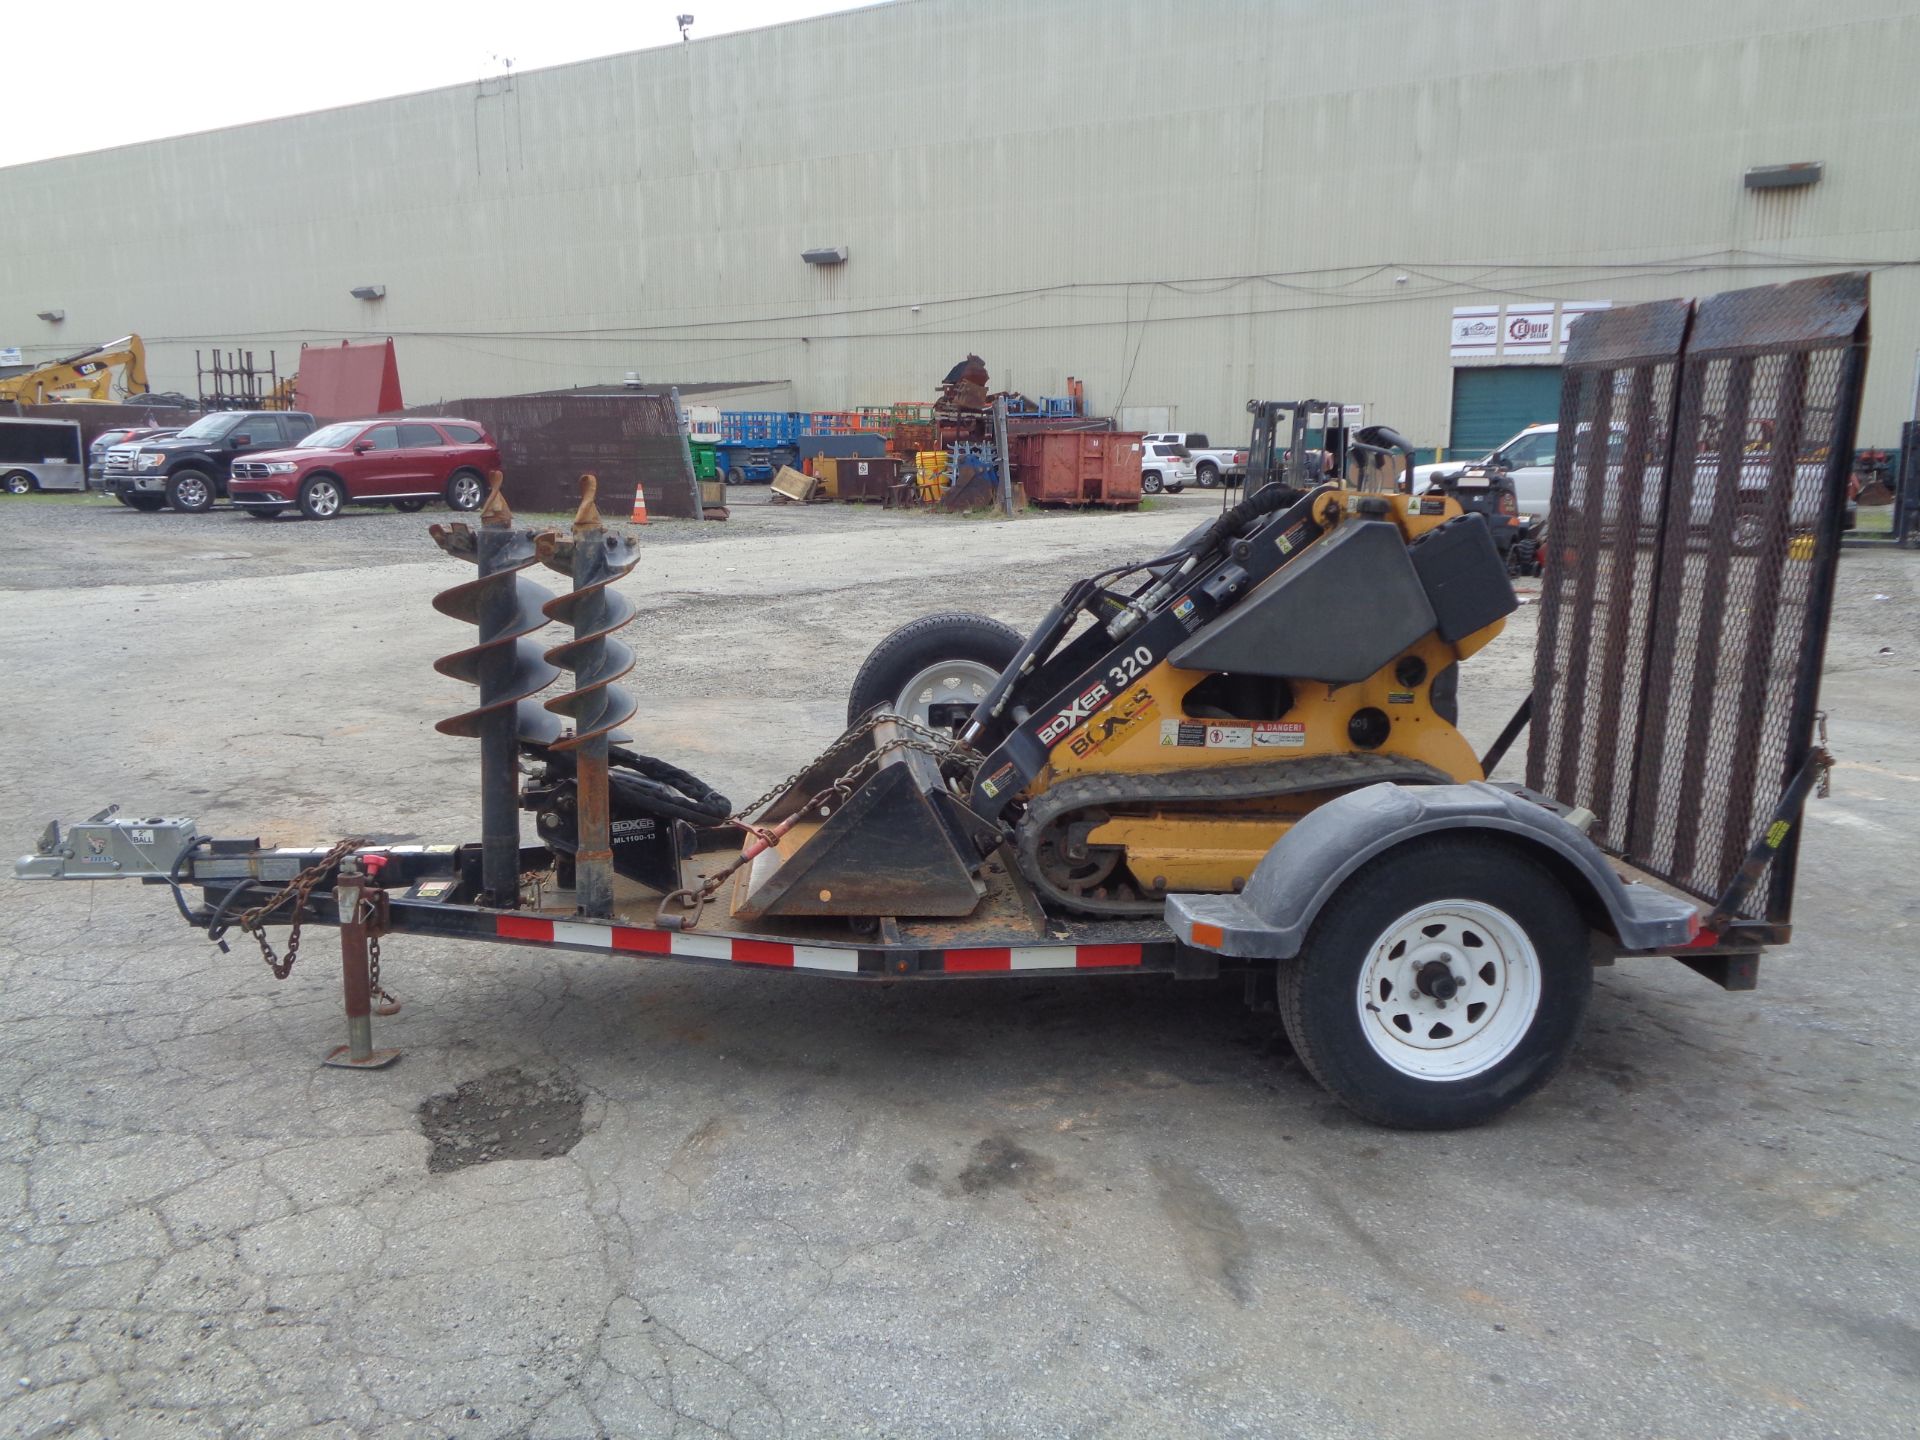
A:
935,669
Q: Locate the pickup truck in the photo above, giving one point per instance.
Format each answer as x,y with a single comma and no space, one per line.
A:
188,471
1211,463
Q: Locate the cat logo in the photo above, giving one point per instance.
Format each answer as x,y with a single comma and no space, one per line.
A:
1129,710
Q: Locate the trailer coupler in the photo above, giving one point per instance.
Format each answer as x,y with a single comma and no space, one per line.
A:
105,848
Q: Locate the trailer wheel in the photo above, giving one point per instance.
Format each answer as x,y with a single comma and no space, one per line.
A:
935,669
1442,984
19,482
190,491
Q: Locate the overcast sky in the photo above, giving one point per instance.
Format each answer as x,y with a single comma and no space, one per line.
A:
90,74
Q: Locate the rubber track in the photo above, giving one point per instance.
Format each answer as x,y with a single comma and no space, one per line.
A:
1226,782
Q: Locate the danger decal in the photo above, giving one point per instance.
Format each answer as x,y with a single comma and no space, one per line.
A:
1280,734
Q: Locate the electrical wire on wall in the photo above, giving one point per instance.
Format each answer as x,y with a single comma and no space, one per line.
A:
1486,277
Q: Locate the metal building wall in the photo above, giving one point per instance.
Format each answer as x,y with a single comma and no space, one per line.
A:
1183,202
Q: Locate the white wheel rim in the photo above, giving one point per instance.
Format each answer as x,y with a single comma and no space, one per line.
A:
326,499
953,682
193,492
1494,970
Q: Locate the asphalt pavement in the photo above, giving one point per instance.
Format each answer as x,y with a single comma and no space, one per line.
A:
616,1197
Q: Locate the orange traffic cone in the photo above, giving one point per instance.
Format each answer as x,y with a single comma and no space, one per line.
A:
639,503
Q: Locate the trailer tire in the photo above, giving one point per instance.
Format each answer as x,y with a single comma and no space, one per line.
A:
932,668
191,491
1362,1018
19,482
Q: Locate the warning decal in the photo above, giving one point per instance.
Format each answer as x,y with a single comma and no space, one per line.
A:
1285,734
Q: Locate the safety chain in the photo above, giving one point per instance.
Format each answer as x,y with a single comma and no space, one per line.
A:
914,736
389,1002
298,889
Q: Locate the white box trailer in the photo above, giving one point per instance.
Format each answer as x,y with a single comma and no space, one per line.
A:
41,455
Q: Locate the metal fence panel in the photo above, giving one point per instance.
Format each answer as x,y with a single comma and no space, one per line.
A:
1695,540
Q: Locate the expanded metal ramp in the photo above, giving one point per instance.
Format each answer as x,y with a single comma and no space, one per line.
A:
1698,501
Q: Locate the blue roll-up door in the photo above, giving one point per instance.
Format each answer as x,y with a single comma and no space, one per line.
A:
1497,403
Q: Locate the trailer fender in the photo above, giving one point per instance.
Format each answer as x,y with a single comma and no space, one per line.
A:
1270,917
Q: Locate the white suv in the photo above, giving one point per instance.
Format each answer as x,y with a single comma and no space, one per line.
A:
1164,467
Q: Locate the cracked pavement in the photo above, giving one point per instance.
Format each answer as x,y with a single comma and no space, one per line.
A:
802,1207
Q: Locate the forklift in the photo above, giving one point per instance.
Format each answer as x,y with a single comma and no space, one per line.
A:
1238,757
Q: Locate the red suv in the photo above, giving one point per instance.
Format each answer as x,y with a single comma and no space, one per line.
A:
402,463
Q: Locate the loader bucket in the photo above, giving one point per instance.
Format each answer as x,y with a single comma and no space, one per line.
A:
898,844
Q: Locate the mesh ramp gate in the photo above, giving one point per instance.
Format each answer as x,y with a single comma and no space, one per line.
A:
1698,498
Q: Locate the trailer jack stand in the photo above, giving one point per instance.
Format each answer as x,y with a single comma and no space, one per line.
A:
356,978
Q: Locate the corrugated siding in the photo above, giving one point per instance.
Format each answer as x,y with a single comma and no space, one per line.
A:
1008,166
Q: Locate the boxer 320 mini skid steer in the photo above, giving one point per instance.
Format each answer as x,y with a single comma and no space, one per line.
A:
1240,755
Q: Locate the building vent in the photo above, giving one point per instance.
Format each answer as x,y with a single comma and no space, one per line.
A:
827,255
1784,177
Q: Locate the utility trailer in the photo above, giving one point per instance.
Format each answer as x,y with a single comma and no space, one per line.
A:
1245,764
41,455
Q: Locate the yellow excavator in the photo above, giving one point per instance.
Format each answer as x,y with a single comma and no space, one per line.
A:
87,377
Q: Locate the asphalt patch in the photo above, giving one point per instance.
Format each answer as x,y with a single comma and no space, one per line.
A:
505,1115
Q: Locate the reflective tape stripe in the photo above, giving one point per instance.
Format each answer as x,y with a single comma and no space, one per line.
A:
1097,957
760,952
822,957
968,961
987,959
780,954
522,927
1045,957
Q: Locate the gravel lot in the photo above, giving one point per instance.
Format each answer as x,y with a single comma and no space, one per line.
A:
790,1207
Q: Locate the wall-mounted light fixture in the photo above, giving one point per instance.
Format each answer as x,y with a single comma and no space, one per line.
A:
53,317
368,292
825,255
1785,177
